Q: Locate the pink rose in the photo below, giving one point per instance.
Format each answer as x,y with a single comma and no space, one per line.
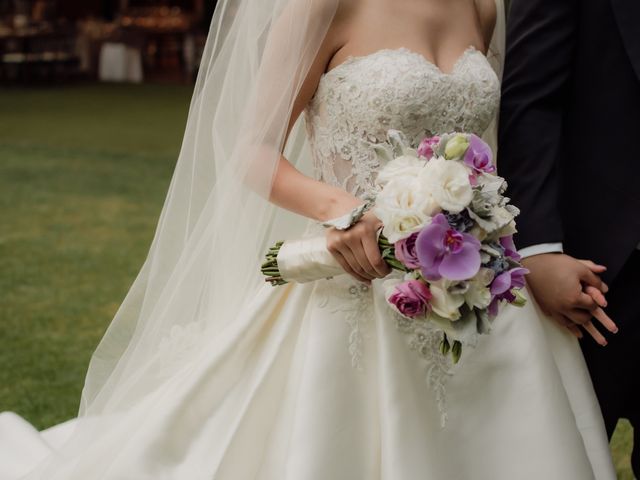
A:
411,298
406,251
426,147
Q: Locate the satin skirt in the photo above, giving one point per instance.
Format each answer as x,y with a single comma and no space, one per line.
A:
323,381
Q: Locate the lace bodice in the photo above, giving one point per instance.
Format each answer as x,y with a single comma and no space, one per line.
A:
358,101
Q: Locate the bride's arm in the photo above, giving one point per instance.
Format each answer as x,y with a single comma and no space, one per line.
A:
293,190
356,249
290,188
305,196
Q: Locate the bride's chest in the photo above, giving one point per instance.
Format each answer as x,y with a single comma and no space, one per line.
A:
400,89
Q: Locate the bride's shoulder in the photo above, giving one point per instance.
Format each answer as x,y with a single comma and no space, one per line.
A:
487,16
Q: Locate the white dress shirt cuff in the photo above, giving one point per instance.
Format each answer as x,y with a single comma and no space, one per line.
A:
540,249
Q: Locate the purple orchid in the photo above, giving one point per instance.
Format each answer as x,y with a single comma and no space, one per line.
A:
510,248
445,252
405,250
502,286
427,145
479,156
508,280
411,298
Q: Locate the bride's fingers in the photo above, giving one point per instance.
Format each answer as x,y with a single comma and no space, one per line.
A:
575,331
358,262
605,320
569,325
595,334
338,246
597,295
565,322
346,266
349,244
594,295
372,251
579,315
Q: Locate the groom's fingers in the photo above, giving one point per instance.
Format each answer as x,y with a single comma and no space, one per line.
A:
597,336
605,320
590,278
594,267
597,269
586,302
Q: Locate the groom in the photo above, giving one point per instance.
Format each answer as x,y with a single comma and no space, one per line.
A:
570,150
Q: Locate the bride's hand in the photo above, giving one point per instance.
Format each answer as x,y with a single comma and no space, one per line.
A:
356,249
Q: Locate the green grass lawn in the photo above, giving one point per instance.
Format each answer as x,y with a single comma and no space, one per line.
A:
83,174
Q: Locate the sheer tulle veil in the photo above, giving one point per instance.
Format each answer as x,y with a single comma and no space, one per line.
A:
203,266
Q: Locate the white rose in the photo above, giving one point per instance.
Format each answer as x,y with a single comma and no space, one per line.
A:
448,182
478,294
444,303
402,167
403,208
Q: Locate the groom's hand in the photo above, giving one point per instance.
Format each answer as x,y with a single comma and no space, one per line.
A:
570,291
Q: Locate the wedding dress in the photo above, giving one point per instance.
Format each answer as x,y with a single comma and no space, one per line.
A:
323,380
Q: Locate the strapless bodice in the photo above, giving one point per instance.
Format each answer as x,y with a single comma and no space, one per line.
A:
358,101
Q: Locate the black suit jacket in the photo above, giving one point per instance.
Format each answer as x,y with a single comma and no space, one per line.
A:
569,142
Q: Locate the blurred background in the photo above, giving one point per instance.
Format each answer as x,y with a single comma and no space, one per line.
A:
107,40
94,96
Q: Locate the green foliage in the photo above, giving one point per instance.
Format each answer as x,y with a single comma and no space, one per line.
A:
621,446
83,174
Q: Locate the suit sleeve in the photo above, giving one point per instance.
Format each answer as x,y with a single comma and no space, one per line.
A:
541,37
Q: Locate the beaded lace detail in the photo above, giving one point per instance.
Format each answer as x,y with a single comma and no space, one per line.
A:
355,301
425,340
358,101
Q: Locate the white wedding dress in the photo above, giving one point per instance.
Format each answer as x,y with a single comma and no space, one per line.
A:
323,381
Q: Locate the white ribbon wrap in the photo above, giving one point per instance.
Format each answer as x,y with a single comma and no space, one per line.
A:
307,260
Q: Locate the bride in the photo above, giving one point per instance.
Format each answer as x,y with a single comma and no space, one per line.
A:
207,372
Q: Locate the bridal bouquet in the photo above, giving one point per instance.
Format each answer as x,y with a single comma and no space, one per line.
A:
447,227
